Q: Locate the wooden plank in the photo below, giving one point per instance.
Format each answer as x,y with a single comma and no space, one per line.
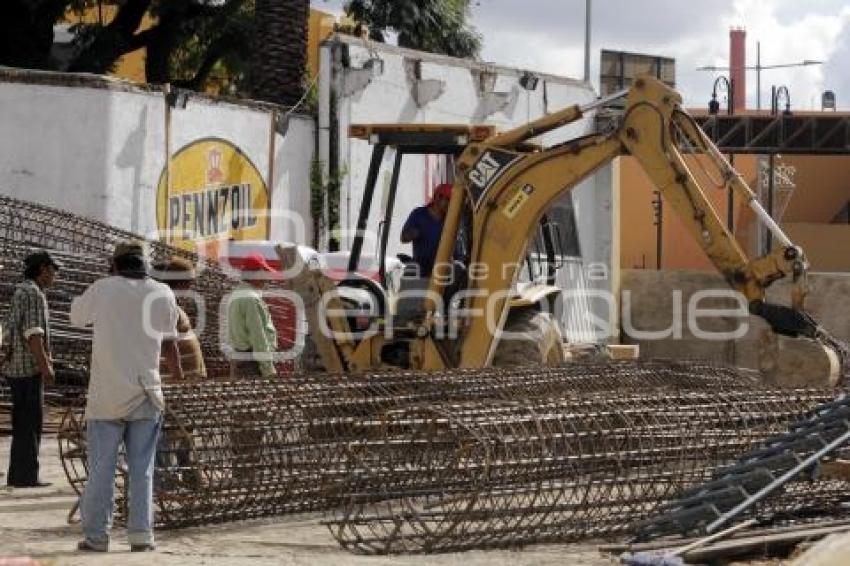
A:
835,470
672,543
746,545
624,351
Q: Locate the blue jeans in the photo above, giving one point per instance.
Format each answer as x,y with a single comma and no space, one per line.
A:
104,438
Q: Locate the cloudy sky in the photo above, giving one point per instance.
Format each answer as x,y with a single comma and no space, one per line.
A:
548,36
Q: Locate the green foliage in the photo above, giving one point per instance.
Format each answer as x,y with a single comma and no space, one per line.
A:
311,97
214,53
437,26
325,193
221,46
26,32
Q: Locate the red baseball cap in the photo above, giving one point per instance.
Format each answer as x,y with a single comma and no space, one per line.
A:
443,190
256,262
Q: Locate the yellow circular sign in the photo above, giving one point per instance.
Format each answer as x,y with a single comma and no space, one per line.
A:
212,192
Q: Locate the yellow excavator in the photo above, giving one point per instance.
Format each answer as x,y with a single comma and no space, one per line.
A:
503,185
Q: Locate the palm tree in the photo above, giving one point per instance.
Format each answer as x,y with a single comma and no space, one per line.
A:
280,50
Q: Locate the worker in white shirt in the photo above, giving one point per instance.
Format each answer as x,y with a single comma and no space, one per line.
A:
134,320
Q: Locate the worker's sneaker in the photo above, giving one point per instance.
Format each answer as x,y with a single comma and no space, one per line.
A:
147,547
90,546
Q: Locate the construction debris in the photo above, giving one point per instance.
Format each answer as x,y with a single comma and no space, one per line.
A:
740,489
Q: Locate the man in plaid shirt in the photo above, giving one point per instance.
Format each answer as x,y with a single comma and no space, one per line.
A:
26,331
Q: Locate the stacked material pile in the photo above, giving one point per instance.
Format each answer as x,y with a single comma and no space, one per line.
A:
422,462
84,247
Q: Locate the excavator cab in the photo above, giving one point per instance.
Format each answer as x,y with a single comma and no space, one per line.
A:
445,142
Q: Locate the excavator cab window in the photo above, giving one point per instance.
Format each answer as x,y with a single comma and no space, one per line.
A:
538,267
563,229
446,143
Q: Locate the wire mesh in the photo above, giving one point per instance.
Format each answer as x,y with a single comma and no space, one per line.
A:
84,247
432,462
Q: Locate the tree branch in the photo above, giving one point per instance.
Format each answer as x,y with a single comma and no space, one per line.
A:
217,49
112,40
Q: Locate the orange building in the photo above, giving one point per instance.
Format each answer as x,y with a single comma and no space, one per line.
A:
811,197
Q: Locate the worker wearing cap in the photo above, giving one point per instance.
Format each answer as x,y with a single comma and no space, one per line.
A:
26,334
424,227
134,320
179,274
175,461
250,329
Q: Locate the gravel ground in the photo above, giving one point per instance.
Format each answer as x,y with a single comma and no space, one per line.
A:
34,522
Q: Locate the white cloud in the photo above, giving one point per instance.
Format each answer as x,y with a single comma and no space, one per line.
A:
836,71
787,34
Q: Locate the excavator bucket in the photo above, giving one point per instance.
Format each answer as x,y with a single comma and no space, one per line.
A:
797,351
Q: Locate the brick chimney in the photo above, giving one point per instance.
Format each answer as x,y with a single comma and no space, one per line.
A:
737,66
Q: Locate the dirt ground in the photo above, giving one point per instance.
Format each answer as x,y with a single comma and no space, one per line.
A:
34,522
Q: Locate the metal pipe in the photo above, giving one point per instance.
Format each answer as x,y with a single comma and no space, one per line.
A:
730,203
550,121
781,480
736,181
587,41
365,207
770,181
388,217
758,75
658,205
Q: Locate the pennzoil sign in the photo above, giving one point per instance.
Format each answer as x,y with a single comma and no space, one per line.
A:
214,192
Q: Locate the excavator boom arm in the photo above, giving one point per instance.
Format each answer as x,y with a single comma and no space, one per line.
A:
509,187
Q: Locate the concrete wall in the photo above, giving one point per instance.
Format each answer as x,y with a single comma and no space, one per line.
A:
98,147
653,309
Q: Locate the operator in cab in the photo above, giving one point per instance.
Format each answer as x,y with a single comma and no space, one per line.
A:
424,227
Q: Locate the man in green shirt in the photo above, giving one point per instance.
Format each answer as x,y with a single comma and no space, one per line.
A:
250,328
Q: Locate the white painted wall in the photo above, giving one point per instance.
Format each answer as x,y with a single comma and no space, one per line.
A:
294,153
96,147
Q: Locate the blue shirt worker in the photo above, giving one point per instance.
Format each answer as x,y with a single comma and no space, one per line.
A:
424,227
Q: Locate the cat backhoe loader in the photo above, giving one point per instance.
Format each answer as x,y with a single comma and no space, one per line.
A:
503,185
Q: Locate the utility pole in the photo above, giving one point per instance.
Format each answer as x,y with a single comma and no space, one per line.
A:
587,41
758,75
658,222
